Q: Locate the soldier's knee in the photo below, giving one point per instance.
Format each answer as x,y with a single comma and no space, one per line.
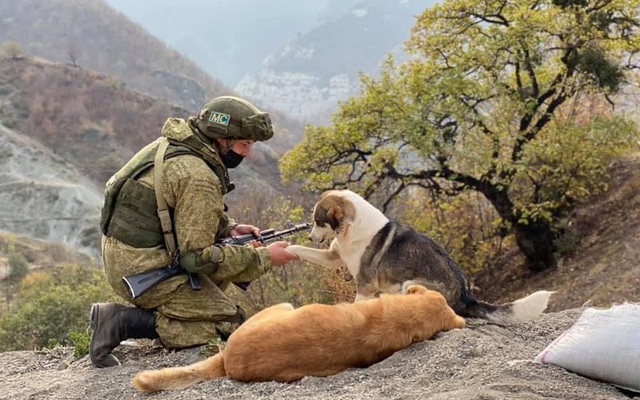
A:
227,326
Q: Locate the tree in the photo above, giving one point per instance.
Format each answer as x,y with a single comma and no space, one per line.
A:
488,103
73,52
18,270
11,49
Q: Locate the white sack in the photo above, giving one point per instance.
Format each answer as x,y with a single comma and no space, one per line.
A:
602,344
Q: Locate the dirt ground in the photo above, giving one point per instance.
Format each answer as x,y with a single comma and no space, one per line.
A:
482,362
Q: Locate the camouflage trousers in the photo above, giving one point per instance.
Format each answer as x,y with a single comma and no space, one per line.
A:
194,317
184,317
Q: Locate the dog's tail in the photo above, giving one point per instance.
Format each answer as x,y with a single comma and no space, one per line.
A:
524,309
180,377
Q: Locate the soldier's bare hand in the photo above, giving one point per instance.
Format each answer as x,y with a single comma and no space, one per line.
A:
245,229
279,253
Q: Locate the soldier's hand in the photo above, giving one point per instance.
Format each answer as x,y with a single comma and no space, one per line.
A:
245,229
279,253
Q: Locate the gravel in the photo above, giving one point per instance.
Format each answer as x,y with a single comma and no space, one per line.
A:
482,361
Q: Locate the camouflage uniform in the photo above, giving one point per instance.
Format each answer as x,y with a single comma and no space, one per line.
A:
194,192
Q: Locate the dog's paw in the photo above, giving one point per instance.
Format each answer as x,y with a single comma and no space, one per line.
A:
413,287
295,248
406,285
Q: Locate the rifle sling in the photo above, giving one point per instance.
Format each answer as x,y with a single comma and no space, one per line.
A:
163,209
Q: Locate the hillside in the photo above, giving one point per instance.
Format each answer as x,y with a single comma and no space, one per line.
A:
92,35
46,197
604,266
481,362
68,130
92,120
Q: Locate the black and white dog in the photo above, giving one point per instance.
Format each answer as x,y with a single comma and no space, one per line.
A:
383,255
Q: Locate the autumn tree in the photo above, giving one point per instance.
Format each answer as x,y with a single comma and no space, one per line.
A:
11,49
486,104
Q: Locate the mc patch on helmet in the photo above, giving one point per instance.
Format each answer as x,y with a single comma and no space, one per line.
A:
230,117
219,118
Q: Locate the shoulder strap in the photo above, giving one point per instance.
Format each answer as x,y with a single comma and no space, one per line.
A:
163,209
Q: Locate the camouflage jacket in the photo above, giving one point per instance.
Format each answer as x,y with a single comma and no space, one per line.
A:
195,194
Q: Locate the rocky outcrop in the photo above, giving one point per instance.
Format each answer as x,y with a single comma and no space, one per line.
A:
307,77
45,197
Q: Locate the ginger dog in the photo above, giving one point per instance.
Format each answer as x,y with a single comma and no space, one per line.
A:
285,344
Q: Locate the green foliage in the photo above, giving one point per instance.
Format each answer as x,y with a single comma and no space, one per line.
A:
606,73
51,306
559,170
18,266
505,99
466,226
80,342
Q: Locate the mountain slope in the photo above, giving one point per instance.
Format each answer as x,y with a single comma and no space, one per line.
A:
45,197
65,131
93,35
603,267
480,362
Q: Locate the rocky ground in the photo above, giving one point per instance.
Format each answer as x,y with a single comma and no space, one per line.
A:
482,362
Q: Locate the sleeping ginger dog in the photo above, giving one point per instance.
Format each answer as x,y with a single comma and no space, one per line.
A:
285,344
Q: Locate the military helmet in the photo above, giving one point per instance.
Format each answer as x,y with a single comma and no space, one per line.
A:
229,117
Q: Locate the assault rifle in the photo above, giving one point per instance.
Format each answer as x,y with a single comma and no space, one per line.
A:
140,283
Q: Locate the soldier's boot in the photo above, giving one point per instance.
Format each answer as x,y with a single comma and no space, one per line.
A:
112,323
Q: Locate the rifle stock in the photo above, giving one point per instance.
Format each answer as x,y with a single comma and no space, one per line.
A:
140,283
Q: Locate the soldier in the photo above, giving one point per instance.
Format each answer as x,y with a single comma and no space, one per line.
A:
193,181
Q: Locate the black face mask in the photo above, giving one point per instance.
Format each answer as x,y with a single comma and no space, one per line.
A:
231,159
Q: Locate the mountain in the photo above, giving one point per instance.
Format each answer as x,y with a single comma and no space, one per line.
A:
92,35
226,38
300,57
91,87
310,74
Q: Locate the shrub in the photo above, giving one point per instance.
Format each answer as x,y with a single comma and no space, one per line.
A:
52,305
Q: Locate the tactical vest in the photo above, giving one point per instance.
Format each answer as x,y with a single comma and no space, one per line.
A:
130,209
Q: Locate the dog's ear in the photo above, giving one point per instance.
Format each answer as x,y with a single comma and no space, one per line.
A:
335,215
